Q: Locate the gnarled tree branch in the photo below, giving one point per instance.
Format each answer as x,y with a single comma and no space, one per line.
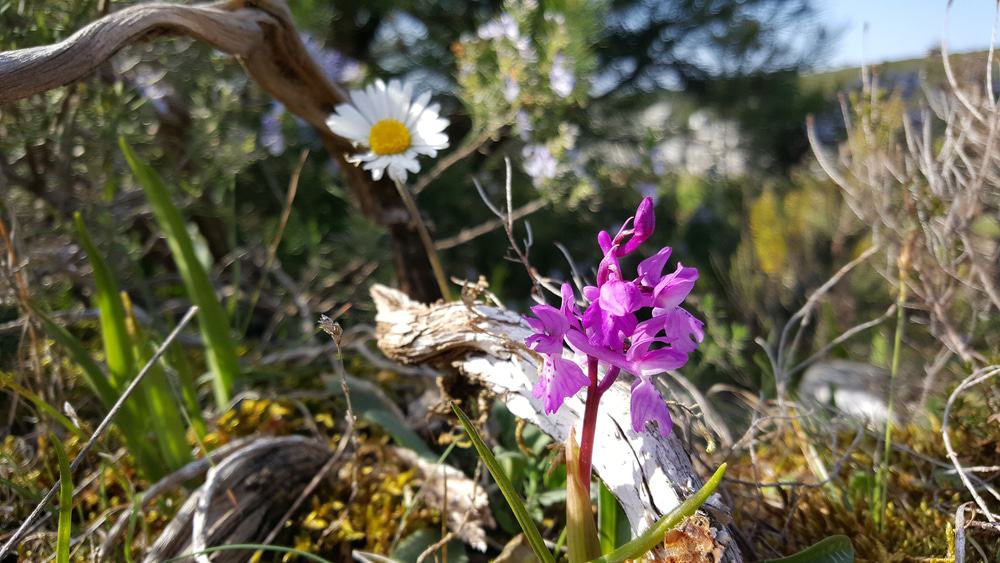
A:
262,35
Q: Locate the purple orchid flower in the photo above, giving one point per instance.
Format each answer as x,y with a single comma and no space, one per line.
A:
633,325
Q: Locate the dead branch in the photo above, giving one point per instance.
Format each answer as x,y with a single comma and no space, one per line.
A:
242,498
977,377
648,474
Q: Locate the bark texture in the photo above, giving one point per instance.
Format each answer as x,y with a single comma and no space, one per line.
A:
649,475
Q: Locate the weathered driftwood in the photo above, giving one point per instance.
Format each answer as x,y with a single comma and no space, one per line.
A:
242,499
648,474
263,36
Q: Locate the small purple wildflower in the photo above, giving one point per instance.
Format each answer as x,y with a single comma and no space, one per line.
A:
337,66
271,136
610,332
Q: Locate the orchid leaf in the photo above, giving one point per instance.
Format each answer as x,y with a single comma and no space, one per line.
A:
612,523
654,535
582,543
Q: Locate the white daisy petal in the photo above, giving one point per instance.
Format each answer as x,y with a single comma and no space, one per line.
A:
349,124
418,109
393,128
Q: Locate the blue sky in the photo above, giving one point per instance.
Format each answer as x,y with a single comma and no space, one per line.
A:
899,29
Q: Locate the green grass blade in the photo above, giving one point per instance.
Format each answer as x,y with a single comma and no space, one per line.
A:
129,421
654,535
7,381
117,344
65,503
212,319
170,430
513,499
612,524
834,549
22,491
178,360
92,373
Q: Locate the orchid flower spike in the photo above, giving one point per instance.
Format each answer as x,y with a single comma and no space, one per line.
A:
632,325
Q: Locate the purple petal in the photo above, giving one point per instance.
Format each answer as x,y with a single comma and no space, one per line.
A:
659,361
568,307
554,321
674,288
645,219
550,325
645,223
558,379
608,268
579,342
544,344
682,329
605,329
620,297
650,270
649,329
647,405
604,241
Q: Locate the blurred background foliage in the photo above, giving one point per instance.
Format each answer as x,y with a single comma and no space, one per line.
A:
597,104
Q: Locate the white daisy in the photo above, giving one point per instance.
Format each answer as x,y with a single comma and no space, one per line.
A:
393,127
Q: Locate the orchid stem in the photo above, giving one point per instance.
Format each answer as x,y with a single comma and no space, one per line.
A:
882,483
425,238
594,393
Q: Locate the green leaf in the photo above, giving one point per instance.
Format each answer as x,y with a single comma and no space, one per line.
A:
612,523
124,349
65,503
128,421
170,430
654,535
177,359
92,373
582,539
115,337
212,319
834,549
515,502
40,403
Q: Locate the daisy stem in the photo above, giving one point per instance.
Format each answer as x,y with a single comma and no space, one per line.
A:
425,238
594,393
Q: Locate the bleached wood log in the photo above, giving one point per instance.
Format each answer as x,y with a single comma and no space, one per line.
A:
648,474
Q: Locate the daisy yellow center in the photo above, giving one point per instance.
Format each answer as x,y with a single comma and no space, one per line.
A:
389,136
